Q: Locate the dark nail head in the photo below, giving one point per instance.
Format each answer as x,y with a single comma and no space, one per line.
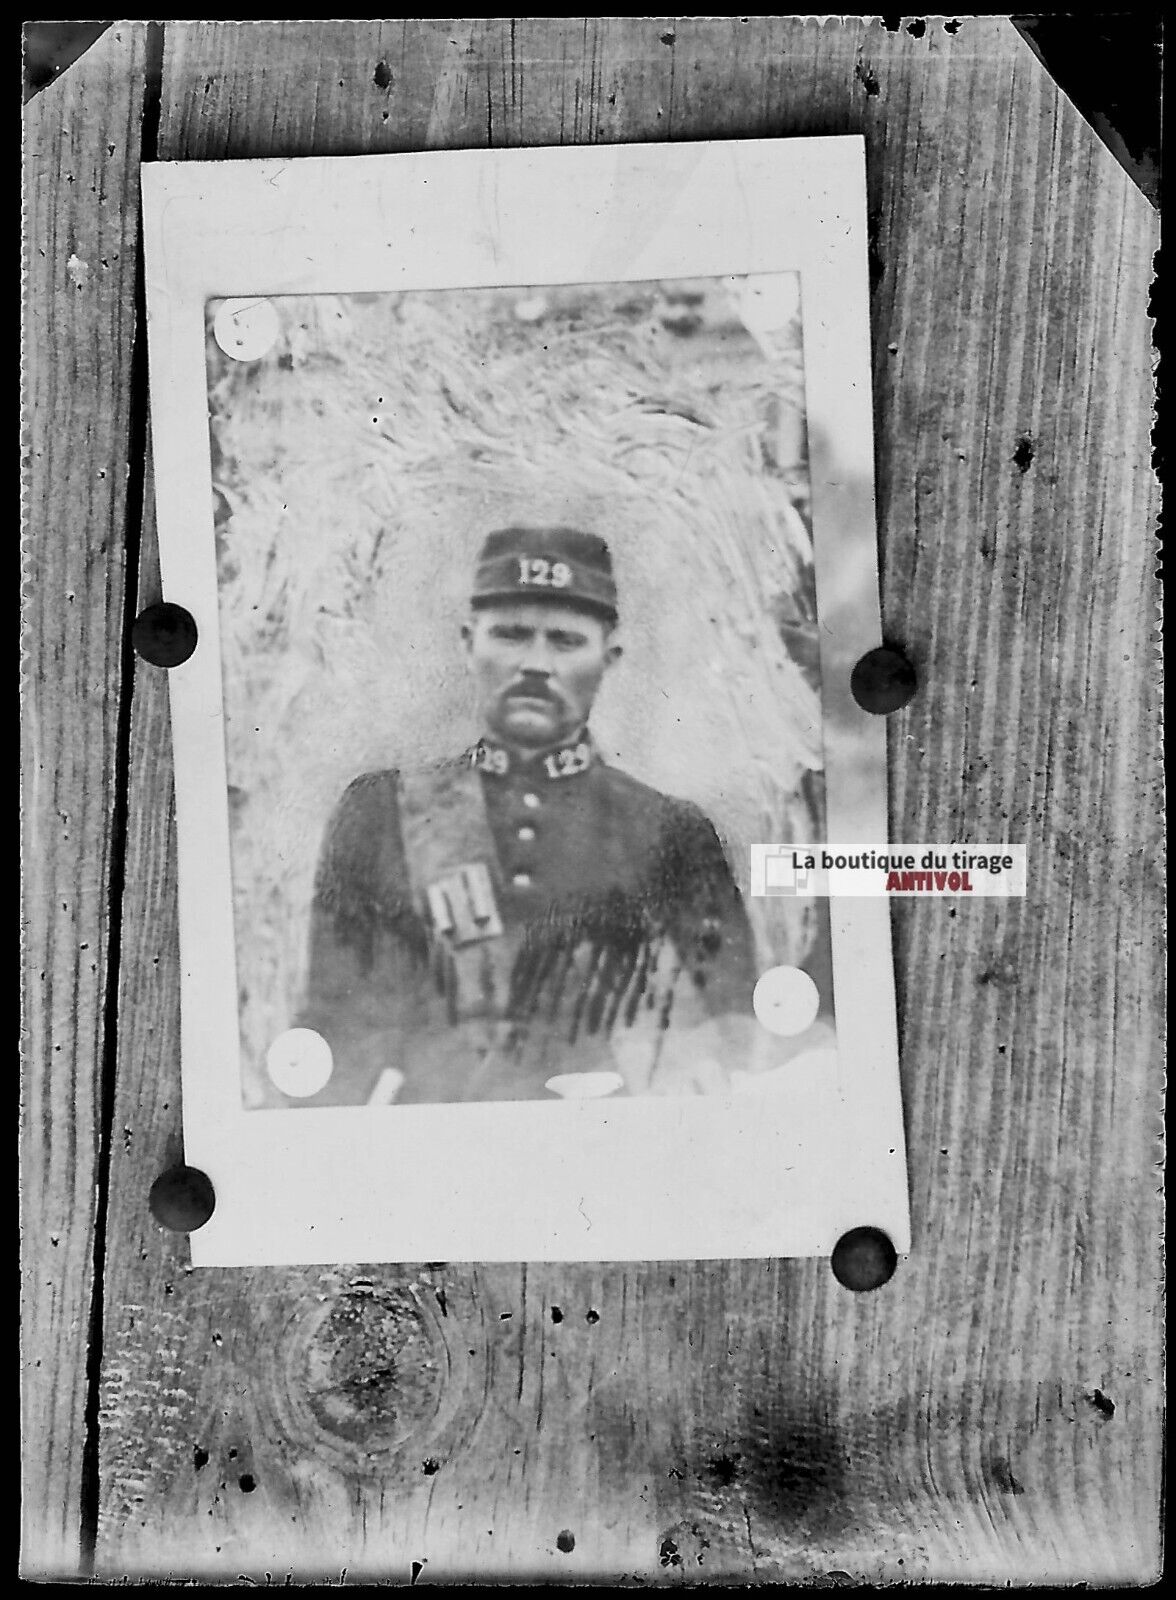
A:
883,681
863,1259
182,1199
164,635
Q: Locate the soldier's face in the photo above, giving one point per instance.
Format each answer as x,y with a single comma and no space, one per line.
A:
537,669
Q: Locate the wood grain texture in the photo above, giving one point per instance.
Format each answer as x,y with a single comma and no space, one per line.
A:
994,1413
81,163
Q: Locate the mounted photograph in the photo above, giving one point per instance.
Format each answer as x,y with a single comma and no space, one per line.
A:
522,503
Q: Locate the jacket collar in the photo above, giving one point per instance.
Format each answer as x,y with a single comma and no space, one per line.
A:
552,765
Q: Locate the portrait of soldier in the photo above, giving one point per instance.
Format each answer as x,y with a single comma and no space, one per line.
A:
524,921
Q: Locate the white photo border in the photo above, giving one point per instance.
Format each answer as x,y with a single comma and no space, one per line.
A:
694,1178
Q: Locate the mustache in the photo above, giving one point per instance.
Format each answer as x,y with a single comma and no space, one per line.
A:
532,691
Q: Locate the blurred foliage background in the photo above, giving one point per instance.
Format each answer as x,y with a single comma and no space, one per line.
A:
358,463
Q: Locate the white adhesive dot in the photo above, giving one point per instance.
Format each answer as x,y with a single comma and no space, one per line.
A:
767,302
299,1062
584,1085
786,1001
533,308
246,329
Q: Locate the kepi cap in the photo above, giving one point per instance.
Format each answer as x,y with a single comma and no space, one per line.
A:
558,565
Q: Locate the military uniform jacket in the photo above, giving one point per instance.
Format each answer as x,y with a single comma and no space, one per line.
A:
601,915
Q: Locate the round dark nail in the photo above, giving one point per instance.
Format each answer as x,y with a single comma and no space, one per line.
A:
863,1259
164,635
883,681
182,1199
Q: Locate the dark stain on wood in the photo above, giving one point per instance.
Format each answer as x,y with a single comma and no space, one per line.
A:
795,1468
1001,1474
724,1469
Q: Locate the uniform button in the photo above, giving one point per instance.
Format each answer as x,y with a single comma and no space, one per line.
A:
527,833
531,801
522,880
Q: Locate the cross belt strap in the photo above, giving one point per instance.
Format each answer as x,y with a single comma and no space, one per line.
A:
455,879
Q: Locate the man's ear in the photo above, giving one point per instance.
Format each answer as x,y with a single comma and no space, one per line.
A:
614,650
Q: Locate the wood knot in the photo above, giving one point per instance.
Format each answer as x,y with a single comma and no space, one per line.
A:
363,1373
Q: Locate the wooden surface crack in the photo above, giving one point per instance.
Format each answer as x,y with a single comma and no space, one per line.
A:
136,480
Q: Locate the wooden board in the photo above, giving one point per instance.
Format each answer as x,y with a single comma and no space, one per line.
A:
81,173
994,1413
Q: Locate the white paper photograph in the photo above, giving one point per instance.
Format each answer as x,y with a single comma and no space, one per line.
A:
530,554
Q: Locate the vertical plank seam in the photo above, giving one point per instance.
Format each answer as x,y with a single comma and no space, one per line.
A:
119,819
